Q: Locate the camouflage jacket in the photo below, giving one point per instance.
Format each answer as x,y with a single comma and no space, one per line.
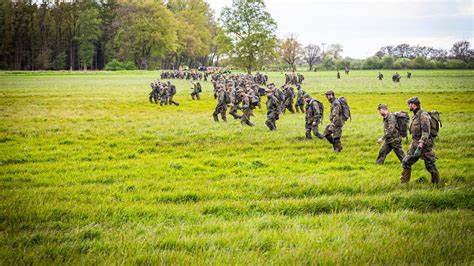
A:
336,113
312,112
420,126
221,97
390,130
273,106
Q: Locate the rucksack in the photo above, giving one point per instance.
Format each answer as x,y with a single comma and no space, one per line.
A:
172,89
226,98
346,110
403,122
321,110
435,123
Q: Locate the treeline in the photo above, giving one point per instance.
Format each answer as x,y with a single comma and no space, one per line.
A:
402,56
87,34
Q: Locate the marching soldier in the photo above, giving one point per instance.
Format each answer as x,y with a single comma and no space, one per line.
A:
391,139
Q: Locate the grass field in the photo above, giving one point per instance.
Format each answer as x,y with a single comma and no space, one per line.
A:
90,172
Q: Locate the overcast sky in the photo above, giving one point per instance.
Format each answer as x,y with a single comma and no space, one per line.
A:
363,26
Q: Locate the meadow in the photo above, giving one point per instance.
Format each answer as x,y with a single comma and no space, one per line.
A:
92,173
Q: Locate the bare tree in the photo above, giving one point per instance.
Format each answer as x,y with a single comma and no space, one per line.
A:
336,50
312,54
291,50
461,51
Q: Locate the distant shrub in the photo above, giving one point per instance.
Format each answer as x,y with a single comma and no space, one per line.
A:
115,65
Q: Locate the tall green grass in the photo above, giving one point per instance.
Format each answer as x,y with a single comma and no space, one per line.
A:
90,172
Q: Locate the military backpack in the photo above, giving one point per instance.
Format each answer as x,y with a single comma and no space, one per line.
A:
346,110
435,123
403,122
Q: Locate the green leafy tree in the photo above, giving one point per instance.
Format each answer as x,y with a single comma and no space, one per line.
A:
252,31
89,33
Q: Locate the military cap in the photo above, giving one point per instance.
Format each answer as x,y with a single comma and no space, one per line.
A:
330,92
306,95
414,100
382,106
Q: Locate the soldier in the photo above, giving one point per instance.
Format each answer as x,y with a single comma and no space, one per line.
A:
172,92
408,75
396,77
234,100
391,138
154,94
346,69
246,109
221,107
313,117
289,96
333,131
380,76
300,78
273,110
164,95
422,143
196,90
299,105
338,75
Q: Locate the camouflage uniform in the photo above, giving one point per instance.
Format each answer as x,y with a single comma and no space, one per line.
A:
333,131
234,100
289,95
273,112
420,129
313,118
154,94
164,95
247,111
391,138
299,105
196,91
221,106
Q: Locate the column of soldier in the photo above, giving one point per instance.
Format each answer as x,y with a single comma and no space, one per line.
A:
243,93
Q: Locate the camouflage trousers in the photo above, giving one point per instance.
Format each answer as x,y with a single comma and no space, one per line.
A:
299,105
335,131
288,105
170,100
312,127
397,148
272,117
427,155
195,94
154,97
245,119
220,109
233,112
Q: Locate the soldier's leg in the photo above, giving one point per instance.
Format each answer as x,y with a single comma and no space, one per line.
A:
197,96
214,115
151,99
297,108
308,131
407,162
398,150
223,113
428,156
233,112
290,107
384,150
302,108
192,95
337,134
328,133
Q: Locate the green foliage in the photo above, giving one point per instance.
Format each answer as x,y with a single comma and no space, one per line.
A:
89,33
91,173
252,31
115,65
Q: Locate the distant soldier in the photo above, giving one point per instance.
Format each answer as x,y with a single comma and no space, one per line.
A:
246,109
396,77
333,131
313,117
273,110
408,75
154,94
422,143
300,78
346,69
221,107
299,105
197,89
338,75
235,99
164,95
380,76
172,93
289,96
391,139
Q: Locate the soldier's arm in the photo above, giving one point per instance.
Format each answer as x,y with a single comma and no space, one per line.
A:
425,127
391,130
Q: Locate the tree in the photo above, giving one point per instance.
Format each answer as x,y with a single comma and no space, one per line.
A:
336,50
221,45
312,55
252,31
402,51
89,33
291,50
147,30
460,50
